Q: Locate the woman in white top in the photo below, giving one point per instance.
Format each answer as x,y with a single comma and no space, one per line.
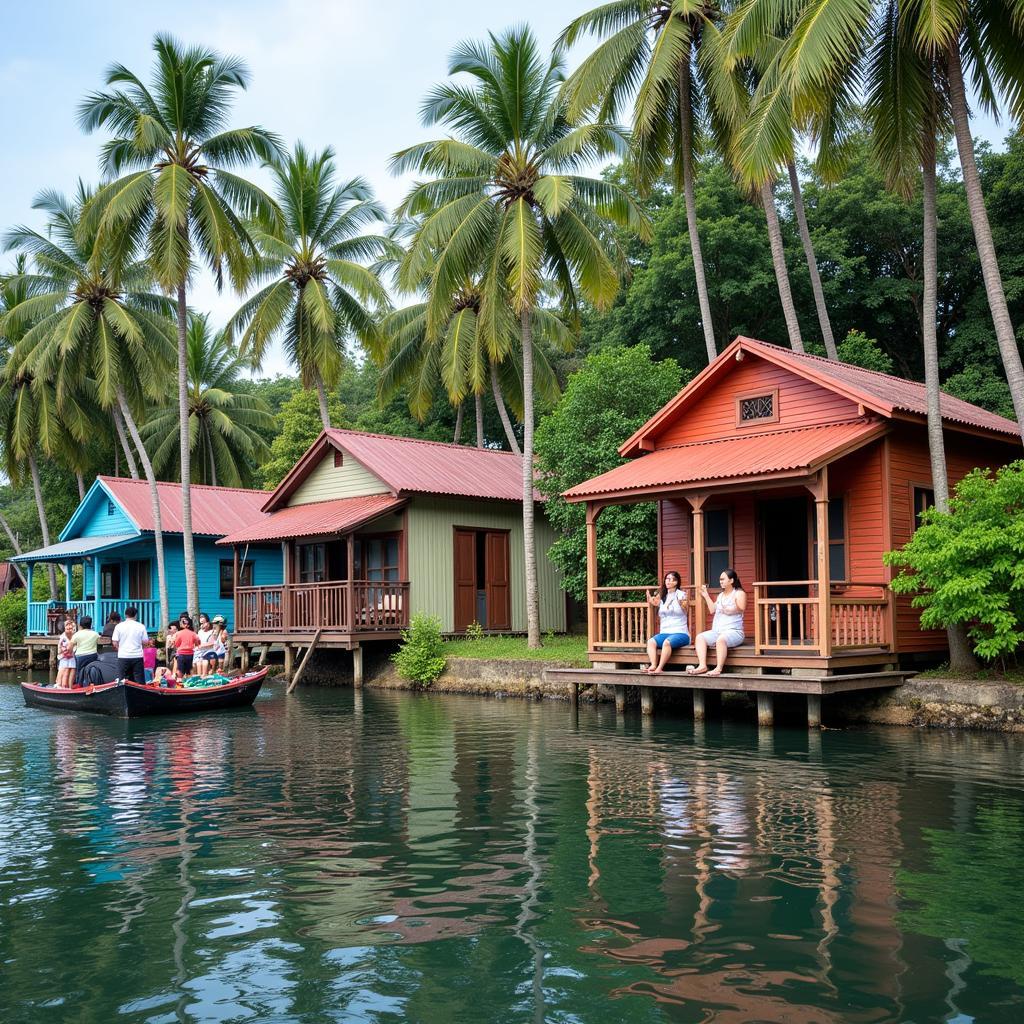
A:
727,627
674,631
205,659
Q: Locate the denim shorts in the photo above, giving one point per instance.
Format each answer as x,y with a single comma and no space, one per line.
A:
674,640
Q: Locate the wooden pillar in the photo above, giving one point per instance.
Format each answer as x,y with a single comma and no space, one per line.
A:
647,700
700,608
234,586
289,661
245,657
97,615
28,603
350,555
813,711
824,587
593,511
765,709
620,698
357,667
67,584
699,709
574,693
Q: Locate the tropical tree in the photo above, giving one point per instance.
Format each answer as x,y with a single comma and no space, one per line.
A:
180,193
504,200
321,291
225,422
650,56
91,332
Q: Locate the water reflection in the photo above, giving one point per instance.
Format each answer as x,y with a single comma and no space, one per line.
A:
388,857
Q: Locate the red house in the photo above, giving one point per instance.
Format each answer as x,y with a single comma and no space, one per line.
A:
761,454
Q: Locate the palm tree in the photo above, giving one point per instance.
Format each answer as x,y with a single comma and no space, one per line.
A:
504,200
321,290
91,331
180,193
650,55
225,423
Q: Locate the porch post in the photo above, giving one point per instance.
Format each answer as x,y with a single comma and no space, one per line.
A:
67,584
824,584
700,608
97,619
593,511
350,555
28,598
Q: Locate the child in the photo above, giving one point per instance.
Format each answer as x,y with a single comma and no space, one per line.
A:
149,659
185,641
66,657
172,629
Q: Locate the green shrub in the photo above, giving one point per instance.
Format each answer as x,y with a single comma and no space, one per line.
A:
421,657
13,609
474,631
967,565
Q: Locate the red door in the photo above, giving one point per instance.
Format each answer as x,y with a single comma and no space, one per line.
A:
465,579
496,569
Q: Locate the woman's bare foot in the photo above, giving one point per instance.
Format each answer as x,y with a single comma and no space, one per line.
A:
696,670
716,671
656,671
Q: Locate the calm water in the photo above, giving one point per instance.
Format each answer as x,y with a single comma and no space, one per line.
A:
335,857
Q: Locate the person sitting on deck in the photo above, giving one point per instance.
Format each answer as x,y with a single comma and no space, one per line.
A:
66,657
674,630
83,643
727,626
129,639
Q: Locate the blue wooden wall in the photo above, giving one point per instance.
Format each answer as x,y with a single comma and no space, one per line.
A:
102,517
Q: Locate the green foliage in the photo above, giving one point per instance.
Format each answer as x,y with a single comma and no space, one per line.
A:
421,657
614,392
13,611
299,426
860,350
967,565
474,631
982,386
568,650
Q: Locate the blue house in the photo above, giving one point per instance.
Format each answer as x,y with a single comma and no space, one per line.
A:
110,536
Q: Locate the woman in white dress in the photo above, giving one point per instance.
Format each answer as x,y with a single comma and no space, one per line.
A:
673,629
727,626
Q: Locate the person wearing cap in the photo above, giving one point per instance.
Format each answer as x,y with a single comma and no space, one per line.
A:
220,643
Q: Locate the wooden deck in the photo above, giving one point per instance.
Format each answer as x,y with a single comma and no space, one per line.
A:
814,685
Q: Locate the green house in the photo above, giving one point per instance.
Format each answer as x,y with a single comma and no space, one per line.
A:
373,529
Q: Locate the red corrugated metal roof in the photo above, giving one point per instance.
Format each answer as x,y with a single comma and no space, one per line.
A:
215,510
896,392
316,519
412,465
776,451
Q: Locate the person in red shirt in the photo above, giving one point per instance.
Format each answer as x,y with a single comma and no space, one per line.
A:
185,641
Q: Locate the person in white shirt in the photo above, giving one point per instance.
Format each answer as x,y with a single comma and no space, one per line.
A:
673,628
727,627
129,637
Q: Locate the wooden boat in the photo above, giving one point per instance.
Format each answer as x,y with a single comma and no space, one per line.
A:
125,699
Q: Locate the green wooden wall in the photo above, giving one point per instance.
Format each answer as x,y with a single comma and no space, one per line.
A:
327,481
432,521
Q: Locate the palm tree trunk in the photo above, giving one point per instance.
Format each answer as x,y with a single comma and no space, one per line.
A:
213,467
529,544
458,424
80,480
513,442
44,526
771,215
154,495
1008,349
812,264
478,408
14,544
122,437
961,657
191,578
321,394
686,149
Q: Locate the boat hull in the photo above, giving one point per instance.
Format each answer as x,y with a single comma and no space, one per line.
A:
122,699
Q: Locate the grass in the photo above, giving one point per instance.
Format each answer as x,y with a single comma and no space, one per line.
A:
566,650
983,675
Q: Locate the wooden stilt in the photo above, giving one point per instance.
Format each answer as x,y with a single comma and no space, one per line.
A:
305,660
289,661
264,654
574,693
620,699
813,711
765,705
699,710
245,657
357,667
646,700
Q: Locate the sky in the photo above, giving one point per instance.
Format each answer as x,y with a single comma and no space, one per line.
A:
347,73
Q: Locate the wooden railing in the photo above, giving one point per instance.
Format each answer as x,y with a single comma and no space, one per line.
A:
340,607
47,617
622,617
786,616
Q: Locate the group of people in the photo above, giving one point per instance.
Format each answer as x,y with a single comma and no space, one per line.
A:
188,652
674,633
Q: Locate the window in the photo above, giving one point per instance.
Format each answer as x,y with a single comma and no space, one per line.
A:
717,544
376,558
339,459
140,587
227,578
111,510
836,541
924,497
110,581
312,563
762,407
